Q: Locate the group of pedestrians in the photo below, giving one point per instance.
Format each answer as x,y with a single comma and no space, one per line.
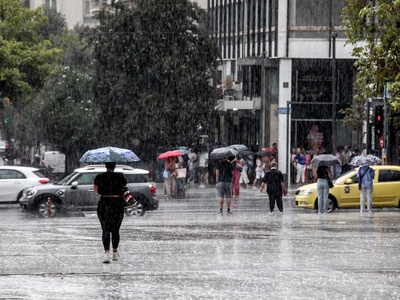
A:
113,188
303,171
228,172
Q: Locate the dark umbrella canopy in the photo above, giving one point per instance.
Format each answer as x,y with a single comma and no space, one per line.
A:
262,153
238,147
221,153
109,154
325,160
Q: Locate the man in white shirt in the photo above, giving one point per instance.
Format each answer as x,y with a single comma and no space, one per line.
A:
203,168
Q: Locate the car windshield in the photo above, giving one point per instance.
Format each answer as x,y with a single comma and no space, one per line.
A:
66,179
343,176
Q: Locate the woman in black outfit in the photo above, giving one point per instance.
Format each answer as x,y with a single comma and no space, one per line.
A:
110,209
322,173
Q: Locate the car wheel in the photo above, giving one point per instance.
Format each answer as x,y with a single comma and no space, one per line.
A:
331,205
44,210
136,209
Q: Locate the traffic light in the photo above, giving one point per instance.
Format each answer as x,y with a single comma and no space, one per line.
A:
379,118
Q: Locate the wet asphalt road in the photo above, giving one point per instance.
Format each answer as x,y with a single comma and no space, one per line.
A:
185,250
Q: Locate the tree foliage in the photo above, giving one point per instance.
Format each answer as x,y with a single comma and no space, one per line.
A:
153,65
373,27
68,115
26,58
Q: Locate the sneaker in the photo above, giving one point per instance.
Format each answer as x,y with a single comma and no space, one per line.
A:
281,211
220,212
201,186
271,213
229,212
115,256
107,258
254,188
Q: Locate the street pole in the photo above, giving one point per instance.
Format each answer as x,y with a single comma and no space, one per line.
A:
334,130
368,126
263,108
287,142
385,129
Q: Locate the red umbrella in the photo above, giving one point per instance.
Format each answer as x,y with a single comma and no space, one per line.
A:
169,154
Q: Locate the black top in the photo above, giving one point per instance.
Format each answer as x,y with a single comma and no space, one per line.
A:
225,171
273,178
322,172
110,183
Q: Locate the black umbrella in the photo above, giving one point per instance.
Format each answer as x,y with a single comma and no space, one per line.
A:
221,153
262,153
325,160
238,147
245,153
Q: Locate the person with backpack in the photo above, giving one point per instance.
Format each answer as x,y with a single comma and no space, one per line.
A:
275,186
366,177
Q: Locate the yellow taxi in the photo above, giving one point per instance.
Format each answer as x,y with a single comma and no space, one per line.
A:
345,193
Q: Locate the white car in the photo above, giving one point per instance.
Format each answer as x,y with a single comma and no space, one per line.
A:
14,179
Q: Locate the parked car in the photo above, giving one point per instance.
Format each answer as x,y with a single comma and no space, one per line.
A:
14,179
75,192
345,193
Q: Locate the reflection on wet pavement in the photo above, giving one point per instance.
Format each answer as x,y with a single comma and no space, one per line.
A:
185,250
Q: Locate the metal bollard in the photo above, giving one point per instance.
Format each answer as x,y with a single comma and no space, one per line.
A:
49,207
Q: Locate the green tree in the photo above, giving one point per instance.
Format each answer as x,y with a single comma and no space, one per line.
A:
26,57
373,28
154,63
68,114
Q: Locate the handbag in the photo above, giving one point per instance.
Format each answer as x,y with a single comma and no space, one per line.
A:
330,183
165,174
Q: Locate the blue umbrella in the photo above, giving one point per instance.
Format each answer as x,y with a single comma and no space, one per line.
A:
109,154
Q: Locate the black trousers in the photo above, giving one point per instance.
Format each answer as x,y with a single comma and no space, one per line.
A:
110,212
275,197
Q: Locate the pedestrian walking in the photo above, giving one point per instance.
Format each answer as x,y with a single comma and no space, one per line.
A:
275,186
237,170
243,175
223,177
194,163
203,168
110,208
366,177
300,159
170,180
293,166
259,171
346,154
322,173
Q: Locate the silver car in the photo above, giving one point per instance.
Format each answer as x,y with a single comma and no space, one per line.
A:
14,179
75,192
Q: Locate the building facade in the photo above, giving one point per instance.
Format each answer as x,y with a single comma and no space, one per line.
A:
76,12
293,74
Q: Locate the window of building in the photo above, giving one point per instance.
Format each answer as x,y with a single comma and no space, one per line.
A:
313,18
87,7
